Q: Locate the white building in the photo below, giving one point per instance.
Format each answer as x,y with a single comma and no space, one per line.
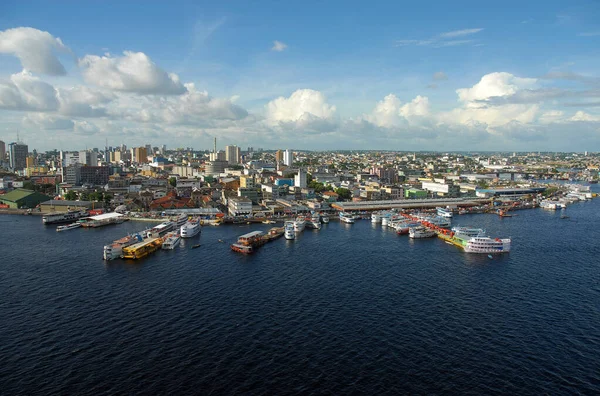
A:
300,179
217,156
240,206
232,154
288,157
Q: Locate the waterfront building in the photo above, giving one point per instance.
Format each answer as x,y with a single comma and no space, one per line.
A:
239,206
17,153
288,157
64,205
22,198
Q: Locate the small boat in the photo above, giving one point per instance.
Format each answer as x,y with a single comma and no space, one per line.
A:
490,256
196,246
71,226
221,241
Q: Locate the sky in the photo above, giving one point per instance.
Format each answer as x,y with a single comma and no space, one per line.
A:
322,75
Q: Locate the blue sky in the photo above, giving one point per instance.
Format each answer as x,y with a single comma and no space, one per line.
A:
377,75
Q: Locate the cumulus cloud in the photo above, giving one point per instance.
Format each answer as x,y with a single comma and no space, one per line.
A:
390,112
25,92
583,116
304,109
493,85
278,46
47,122
37,50
133,72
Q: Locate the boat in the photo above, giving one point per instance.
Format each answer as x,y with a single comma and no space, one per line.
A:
376,218
191,229
442,222
245,249
115,249
142,249
403,227
347,218
467,232
299,224
551,205
180,220
313,222
161,229
171,242
71,226
195,246
324,218
66,217
289,230
420,232
102,220
485,244
443,212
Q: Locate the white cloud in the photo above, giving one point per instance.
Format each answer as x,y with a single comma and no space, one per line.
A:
304,109
278,46
583,116
440,76
47,122
493,85
26,92
418,107
83,102
390,112
133,72
37,50
460,33
551,116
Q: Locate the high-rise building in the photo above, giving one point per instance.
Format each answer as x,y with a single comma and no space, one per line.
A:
279,156
2,151
17,153
288,157
232,155
139,155
300,179
149,150
218,156
89,158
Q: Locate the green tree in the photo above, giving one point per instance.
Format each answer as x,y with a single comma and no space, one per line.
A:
173,181
107,199
343,193
84,196
70,196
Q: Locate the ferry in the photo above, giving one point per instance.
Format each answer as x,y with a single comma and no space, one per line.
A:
467,232
161,229
485,244
191,229
245,249
420,232
442,222
443,212
115,249
376,218
347,218
67,217
299,224
71,226
142,249
171,242
313,222
180,220
289,230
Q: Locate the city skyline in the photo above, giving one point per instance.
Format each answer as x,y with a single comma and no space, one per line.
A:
312,77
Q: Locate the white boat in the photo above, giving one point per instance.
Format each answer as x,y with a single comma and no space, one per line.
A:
324,218
551,205
443,212
375,218
115,249
442,222
66,217
71,226
347,218
190,229
299,224
289,232
171,242
180,220
313,223
467,232
485,244
420,232
160,230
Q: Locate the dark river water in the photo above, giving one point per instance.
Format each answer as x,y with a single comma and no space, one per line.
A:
346,309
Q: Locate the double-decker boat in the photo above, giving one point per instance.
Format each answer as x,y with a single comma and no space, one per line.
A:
142,249
347,218
171,242
299,224
66,217
115,249
467,232
161,229
420,232
191,228
313,222
485,244
376,218
180,220
444,212
289,230
71,226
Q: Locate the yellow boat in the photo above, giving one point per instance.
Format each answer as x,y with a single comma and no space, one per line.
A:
142,249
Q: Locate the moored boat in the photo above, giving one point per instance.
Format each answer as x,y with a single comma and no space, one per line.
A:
191,228
171,242
299,224
467,232
347,218
420,232
443,212
485,244
289,230
115,249
142,249
245,249
66,217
